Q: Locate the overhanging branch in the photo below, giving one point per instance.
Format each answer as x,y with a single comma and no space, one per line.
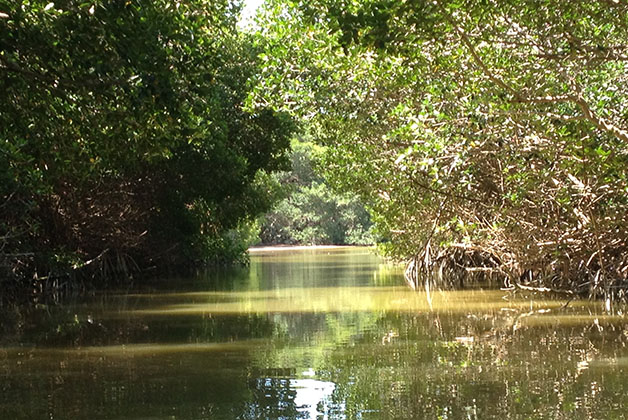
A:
599,122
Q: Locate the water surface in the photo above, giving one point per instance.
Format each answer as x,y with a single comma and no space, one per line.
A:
312,334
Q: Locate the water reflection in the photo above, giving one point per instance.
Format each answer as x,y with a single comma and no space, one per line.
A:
281,397
331,334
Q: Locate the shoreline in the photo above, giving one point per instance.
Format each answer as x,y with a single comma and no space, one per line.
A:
254,249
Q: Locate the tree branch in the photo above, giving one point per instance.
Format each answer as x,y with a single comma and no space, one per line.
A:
599,122
12,67
446,193
552,115
8,65
545,99
475,55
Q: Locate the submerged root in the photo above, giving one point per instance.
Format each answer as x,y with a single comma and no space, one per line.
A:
107,269
461,265
454,267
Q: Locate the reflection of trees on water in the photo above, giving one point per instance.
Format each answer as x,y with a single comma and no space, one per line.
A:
485,364
315,270
477,367
278,395
450,365
274,398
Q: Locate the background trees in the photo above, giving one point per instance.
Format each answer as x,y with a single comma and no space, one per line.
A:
488,137
124,141
311,212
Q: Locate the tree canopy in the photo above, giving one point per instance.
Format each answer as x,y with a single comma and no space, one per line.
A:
489,137
124,140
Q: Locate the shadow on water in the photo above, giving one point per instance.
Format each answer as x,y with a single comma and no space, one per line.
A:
312,334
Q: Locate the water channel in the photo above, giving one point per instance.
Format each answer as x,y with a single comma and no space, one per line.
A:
312,334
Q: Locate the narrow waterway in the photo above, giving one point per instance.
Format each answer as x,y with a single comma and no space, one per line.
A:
312,334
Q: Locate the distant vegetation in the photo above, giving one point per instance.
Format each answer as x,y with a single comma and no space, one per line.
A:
310,212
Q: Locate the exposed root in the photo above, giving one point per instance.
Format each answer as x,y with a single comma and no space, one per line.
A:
461,265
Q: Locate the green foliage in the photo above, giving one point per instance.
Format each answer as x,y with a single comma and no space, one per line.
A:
508,118
311,212
123,127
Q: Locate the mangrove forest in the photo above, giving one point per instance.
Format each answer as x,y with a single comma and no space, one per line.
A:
313,209
488,138
476,141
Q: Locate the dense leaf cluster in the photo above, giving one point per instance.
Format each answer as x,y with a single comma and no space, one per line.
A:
489,137
124,141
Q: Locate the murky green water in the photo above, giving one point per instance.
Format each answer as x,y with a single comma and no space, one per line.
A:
326,334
